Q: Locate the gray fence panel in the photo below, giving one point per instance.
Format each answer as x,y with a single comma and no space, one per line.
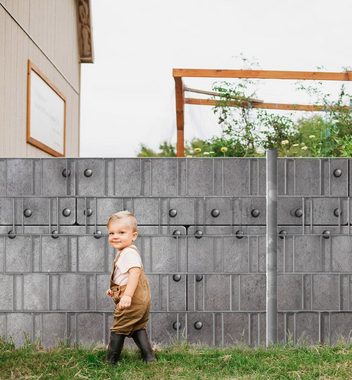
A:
202,241
57,177
20,177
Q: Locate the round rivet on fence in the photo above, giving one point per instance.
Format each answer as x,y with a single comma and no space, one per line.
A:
66,212
255,213
337,173
239,234
27,212
176,277
176,325
337,212
11,234
326,234
198,234
88,212
199,277
97,234
172,212
215,213
88,172
198,325
55,234
298,213
176,234
282,234
66,173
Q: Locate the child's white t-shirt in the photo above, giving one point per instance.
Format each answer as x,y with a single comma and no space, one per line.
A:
129,258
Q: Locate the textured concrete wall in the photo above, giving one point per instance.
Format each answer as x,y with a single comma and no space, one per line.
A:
202,239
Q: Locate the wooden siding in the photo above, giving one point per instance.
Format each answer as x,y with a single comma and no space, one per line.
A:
52,45
19,9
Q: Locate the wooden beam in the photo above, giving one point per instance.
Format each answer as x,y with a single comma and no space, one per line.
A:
269,106
180,118
263,74
188,89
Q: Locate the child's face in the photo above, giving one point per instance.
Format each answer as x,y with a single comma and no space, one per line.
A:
121,234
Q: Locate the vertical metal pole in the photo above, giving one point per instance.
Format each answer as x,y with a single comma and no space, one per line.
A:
271,247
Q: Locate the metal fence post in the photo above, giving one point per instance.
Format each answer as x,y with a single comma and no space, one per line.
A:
271,247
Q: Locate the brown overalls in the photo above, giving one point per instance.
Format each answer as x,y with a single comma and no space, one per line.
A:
135,317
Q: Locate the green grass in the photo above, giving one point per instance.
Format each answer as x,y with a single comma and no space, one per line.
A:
179,361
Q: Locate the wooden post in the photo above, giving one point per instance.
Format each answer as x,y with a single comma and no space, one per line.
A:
180,118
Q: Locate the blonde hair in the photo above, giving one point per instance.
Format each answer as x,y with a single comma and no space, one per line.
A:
131,219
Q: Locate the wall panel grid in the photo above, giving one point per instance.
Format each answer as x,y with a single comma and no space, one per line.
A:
202,241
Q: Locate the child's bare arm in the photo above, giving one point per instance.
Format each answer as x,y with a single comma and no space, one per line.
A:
133,277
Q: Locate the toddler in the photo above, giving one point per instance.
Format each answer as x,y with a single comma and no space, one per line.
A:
129,289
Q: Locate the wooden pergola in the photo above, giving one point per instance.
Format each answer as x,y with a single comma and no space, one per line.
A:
181,100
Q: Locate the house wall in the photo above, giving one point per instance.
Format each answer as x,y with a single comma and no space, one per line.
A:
44,32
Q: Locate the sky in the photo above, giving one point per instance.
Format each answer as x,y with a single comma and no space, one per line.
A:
128,95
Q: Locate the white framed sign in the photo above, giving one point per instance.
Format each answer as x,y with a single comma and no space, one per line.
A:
46,114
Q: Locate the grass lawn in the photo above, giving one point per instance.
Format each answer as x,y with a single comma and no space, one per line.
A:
180,361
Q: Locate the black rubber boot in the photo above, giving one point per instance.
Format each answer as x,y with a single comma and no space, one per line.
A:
115,347
140,337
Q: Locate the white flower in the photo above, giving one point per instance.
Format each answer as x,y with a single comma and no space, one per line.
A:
206,153
312,136
284,142
304,147
294,145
